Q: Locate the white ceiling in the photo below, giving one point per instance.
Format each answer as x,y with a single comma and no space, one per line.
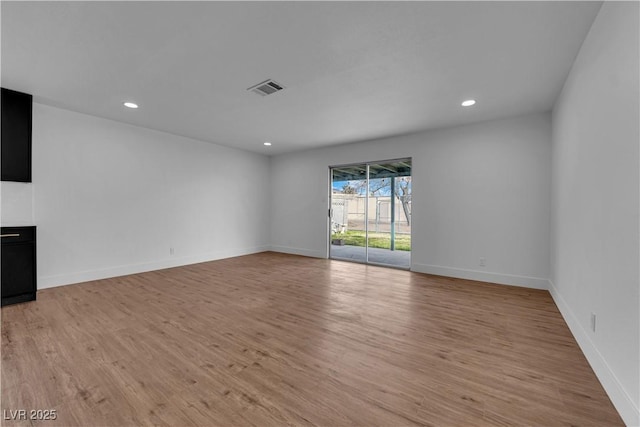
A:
352,70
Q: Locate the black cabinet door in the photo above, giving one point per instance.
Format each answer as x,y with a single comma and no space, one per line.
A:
16,136
18,269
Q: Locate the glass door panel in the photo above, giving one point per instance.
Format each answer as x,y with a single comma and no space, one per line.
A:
390,229
348,213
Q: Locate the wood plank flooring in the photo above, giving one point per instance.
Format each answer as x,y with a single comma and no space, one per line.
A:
274,339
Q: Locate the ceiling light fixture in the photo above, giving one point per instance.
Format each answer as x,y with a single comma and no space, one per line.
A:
268,144
131,105
468,102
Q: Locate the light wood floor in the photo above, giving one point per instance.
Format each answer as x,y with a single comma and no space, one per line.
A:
273,339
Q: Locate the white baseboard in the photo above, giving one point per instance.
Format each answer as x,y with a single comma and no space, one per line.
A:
625,405
299,251
482,276
123,270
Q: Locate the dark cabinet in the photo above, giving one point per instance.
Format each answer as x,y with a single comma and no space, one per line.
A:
18,264
16,136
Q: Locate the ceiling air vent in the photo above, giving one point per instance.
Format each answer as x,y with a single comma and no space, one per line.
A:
267,87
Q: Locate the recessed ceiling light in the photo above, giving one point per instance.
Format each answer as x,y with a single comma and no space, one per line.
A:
267,143
468,102
130,105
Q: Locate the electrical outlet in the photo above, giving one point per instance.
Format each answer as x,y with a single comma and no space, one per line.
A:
593,322
171,251
483,262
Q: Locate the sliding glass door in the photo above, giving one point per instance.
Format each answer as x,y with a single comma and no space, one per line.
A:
371,213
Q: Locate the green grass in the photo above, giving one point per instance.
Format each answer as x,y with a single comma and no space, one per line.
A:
376,240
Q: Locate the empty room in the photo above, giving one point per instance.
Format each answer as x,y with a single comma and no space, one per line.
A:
320,213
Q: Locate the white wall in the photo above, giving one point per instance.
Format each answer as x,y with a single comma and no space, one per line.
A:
112,199
596,203
17,203
480,190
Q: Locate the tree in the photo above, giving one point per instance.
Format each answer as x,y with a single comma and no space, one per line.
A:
403,193
348,189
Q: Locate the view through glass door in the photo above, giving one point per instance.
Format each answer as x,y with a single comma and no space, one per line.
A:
371,213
